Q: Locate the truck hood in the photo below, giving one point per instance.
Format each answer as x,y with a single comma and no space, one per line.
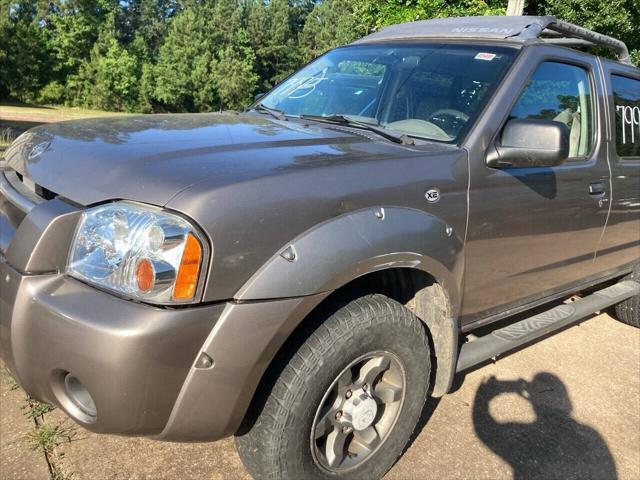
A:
152,158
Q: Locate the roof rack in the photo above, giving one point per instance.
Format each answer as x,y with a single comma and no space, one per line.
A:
515,28
559,32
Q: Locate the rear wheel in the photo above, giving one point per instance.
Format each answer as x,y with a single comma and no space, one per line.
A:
346,403
629,311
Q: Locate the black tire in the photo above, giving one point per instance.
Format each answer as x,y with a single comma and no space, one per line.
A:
277,444
629,311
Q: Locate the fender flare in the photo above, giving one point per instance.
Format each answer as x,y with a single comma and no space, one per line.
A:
342,249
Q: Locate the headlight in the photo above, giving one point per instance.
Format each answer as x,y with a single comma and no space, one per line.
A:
139,251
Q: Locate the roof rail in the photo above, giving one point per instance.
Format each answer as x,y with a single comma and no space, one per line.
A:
515,28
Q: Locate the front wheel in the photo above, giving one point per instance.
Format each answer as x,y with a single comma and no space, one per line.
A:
347,401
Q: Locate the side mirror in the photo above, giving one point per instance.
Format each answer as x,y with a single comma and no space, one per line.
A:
258,96
530,143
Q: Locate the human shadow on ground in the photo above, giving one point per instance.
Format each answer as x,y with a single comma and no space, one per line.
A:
554,446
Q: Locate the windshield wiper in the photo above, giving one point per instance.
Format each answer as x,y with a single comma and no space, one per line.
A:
274,112
401,138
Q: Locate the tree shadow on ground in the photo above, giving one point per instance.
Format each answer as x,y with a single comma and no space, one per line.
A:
554,445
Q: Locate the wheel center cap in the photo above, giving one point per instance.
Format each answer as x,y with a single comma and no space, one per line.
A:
360,410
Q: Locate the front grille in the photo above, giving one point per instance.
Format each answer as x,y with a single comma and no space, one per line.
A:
17,197
15,192
11,216
39,190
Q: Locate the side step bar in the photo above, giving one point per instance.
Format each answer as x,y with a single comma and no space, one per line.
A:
529,329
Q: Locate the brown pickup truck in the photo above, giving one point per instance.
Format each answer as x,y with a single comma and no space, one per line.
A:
303,275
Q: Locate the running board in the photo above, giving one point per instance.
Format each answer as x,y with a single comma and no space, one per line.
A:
529,329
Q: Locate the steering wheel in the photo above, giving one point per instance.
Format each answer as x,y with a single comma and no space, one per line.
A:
449,119
450,112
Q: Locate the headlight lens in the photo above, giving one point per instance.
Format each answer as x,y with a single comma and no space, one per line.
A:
138,251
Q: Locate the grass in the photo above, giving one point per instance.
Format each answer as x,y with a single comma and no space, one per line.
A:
6,375
6,137
44,114
47,436
34,409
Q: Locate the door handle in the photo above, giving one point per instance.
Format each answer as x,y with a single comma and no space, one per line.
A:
596,189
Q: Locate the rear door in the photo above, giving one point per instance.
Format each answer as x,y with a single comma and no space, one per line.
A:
620,244
533,232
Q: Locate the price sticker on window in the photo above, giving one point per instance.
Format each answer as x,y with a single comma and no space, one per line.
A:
485,56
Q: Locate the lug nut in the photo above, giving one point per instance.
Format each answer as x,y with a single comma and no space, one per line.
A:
348,394
346,429
338,415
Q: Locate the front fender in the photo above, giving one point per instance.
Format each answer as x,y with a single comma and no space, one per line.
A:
249,333
344,248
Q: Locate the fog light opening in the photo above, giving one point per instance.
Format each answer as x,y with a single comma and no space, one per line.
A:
79,396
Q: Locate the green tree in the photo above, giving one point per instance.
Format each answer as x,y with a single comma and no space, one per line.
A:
72,28
116,82
206,61
148,20
184,71
331,23
202,55
271,28
234,77
108,80
300,10
376,14
24,53
618,18
147,100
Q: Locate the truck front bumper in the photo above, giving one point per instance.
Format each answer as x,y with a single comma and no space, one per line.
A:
138,367
131,358
139,363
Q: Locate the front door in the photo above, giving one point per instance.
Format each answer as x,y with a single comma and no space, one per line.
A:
534,231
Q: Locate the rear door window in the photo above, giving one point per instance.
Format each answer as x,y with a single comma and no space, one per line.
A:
626,99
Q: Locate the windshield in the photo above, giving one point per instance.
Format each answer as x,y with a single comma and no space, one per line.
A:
430,91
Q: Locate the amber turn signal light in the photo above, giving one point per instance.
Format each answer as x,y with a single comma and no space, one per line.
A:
145,275
187,278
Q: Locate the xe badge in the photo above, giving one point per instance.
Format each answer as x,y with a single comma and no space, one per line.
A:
432,195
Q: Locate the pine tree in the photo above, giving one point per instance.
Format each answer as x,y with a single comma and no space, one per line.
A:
330,24
24,53
184,70
109,79
273,40
235,78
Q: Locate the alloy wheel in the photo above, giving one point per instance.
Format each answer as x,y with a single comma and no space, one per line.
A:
358,411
